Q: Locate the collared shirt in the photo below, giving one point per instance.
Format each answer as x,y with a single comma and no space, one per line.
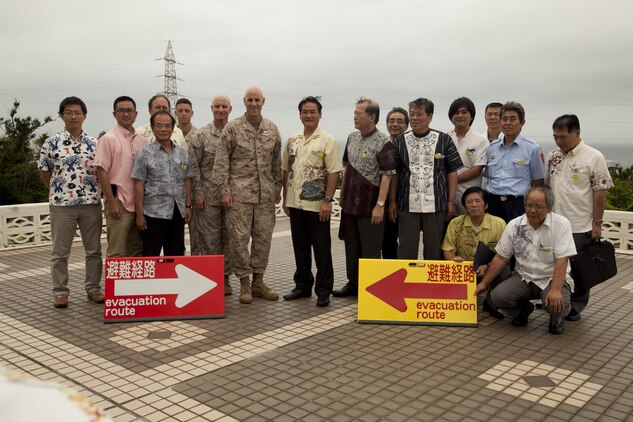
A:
366,160
423,165
462,238
190,134
472,150
73,177
308,163
115,154
177,136
203,146
511,169
164,174
248,161
537,250
574,177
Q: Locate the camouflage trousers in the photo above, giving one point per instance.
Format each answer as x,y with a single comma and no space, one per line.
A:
246,222
209,234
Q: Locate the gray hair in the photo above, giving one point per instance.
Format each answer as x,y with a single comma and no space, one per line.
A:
549,195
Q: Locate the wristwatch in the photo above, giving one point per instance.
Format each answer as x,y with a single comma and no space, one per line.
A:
598,221
380,203
187,206
328,198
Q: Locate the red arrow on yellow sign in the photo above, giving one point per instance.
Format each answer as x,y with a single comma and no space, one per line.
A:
393,290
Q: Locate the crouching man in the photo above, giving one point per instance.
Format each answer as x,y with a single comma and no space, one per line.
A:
542,243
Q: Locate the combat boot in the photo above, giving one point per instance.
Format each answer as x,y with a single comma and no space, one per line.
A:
246,296
261,290
228,290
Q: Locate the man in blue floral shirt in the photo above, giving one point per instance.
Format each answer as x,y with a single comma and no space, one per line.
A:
162,189
74,198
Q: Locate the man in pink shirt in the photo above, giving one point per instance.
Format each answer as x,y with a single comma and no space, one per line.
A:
114,159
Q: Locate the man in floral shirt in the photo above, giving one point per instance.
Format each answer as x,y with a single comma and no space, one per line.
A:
74,198
311,166
579,177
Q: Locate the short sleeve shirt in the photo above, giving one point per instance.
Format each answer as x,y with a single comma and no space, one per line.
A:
462,239
472,150
308,163
511,169
73,175
537,250
366,160
423,164
574,177
164,174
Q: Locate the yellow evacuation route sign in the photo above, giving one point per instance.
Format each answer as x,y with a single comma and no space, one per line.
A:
417,292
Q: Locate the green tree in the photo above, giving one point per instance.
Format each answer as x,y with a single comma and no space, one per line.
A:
19,146
620,196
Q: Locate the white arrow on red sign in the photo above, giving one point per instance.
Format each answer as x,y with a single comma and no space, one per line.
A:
188,285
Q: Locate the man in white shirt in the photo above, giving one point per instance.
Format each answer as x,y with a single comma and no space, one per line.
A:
542,243
579,177
471,146
160,102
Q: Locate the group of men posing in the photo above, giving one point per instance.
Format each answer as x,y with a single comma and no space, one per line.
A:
224,180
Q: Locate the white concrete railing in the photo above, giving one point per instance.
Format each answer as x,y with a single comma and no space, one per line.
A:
29,225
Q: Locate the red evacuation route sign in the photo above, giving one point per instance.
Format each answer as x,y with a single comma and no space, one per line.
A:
158,288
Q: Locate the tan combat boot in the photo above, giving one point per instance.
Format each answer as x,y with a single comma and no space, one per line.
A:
261,290
245,290
228,290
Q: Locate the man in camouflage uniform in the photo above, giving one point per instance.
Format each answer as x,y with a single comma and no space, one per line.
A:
208,230
247,171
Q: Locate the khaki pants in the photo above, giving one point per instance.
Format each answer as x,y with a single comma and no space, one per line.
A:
64,223
124,239
246,222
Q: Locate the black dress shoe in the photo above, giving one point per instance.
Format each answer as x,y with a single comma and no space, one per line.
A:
296,294
345,291
556,328
492,311
522,319
323,301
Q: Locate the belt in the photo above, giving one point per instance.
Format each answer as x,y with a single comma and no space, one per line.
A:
504,198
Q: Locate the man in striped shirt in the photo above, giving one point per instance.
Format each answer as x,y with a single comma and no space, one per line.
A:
425,184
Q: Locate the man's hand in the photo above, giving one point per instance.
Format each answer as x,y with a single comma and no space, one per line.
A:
481,270
226,200
596,230
481,289
553,301
199,204
377,215
458,258
187,215
114,208
325,213
393,211
452,210
141,224
277,197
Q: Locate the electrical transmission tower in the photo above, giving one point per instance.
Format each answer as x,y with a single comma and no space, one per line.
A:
171,90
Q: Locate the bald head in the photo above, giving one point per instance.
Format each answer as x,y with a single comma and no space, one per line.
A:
254,102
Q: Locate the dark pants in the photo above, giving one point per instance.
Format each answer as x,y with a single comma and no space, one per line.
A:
168,235
308,232
390,239
362,240
506,207
580,298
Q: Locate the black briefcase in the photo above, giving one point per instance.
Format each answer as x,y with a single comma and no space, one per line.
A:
594,264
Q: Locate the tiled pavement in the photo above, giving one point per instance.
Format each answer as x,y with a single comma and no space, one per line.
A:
289,361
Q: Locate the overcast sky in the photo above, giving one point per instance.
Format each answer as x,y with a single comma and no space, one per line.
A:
554,57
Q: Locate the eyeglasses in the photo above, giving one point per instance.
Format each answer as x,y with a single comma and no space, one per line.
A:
538,207
69,113
474,201
398,121
125,110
